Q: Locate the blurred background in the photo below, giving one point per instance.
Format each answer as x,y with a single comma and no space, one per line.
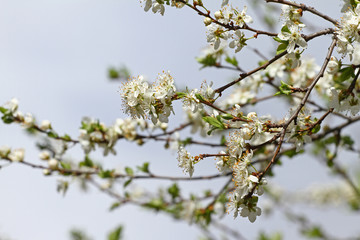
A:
55,56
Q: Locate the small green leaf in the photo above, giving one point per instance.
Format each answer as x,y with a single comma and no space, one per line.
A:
199,96
7,119
214,122
52,134
127,182
174,191
227,116
207,61
223,140
106,173
113,73
314,232
144,168
116,234
281,48
285,29
290,153
233,61
3,110
66,137
316,128
114,206
87,162
65,165
181,94
346,73
284,89
129,171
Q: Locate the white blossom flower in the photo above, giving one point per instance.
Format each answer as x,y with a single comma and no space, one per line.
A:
142,100
235,144
11,106
292,34
251,213
292,15
216,33
240,18
239,42
185,161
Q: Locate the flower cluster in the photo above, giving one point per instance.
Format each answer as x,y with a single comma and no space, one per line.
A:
93,132
217,33
343,101
290,36
157,6
192,100
16,155
143,100
245,182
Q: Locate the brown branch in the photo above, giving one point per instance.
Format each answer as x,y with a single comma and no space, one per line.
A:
306,8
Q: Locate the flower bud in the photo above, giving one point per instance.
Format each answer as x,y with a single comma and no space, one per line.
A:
44,155
46,172
207,21
53,163
333,65
218,15
4,151
45,125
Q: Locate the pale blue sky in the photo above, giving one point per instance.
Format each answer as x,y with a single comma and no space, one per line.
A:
53,58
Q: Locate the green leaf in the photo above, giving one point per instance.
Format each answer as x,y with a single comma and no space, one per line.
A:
281,48
113,73
214,122
199,96
316,128
285,29
127,182
114,206
278,40
346,73
129,171
314,232
65,165
66,137
284,89
52,134
116,234
87,162
186,141
223,140
181,94
106,173
7,119
227,116
290,153
174,191
144,168
3,110
207,61
233,61
62,187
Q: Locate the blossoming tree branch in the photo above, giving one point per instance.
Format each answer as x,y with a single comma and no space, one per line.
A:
248,145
